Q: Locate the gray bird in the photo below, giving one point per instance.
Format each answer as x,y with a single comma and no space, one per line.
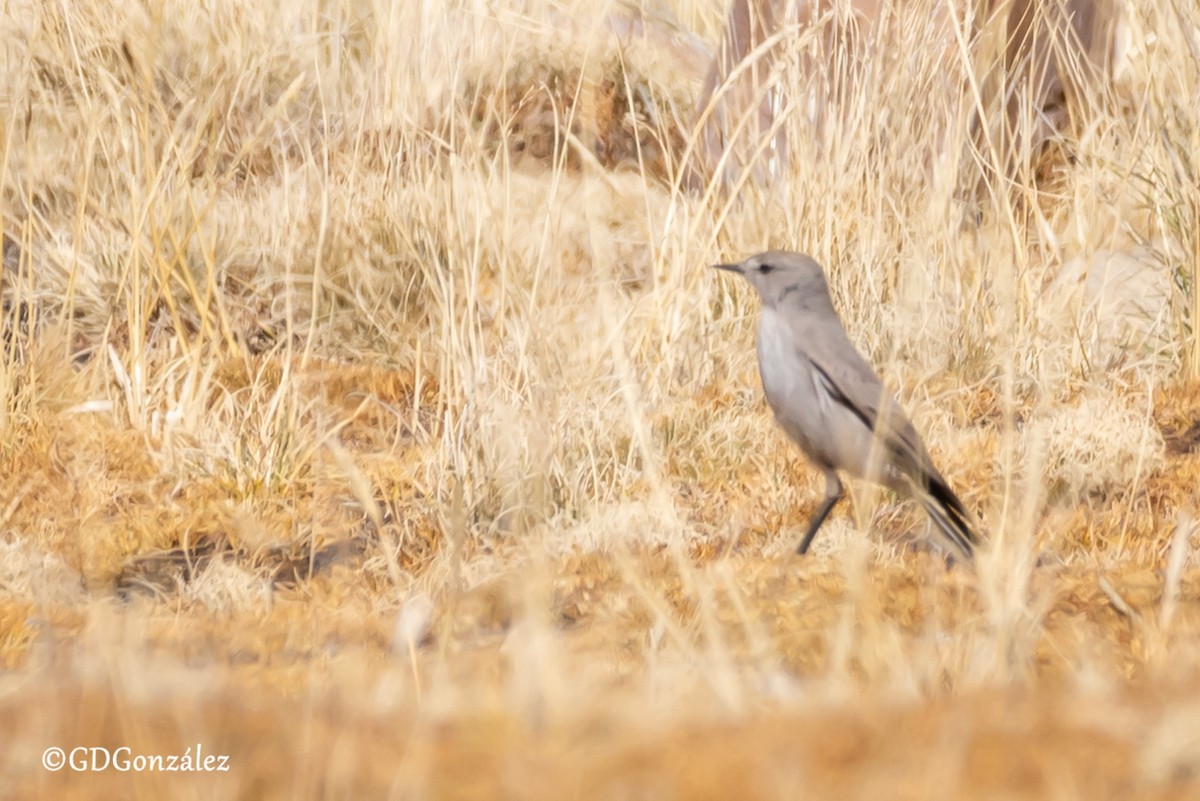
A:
832,404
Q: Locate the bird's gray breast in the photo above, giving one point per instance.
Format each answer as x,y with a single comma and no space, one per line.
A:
789,382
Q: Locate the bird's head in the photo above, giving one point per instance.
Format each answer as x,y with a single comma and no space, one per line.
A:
777,273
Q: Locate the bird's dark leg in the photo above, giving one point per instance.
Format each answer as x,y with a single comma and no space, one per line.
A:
833,494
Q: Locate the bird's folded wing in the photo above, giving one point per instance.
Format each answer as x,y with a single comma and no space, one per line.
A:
851,382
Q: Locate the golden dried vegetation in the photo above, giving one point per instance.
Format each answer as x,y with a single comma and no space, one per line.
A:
368,415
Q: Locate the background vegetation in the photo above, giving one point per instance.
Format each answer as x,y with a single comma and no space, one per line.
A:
367,414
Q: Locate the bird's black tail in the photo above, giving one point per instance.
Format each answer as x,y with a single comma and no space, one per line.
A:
950,516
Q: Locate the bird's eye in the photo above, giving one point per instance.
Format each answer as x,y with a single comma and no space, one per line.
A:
765,268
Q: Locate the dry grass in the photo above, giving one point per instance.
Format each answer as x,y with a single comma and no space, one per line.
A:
367,415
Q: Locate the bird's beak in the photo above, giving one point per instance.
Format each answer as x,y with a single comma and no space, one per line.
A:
731,268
